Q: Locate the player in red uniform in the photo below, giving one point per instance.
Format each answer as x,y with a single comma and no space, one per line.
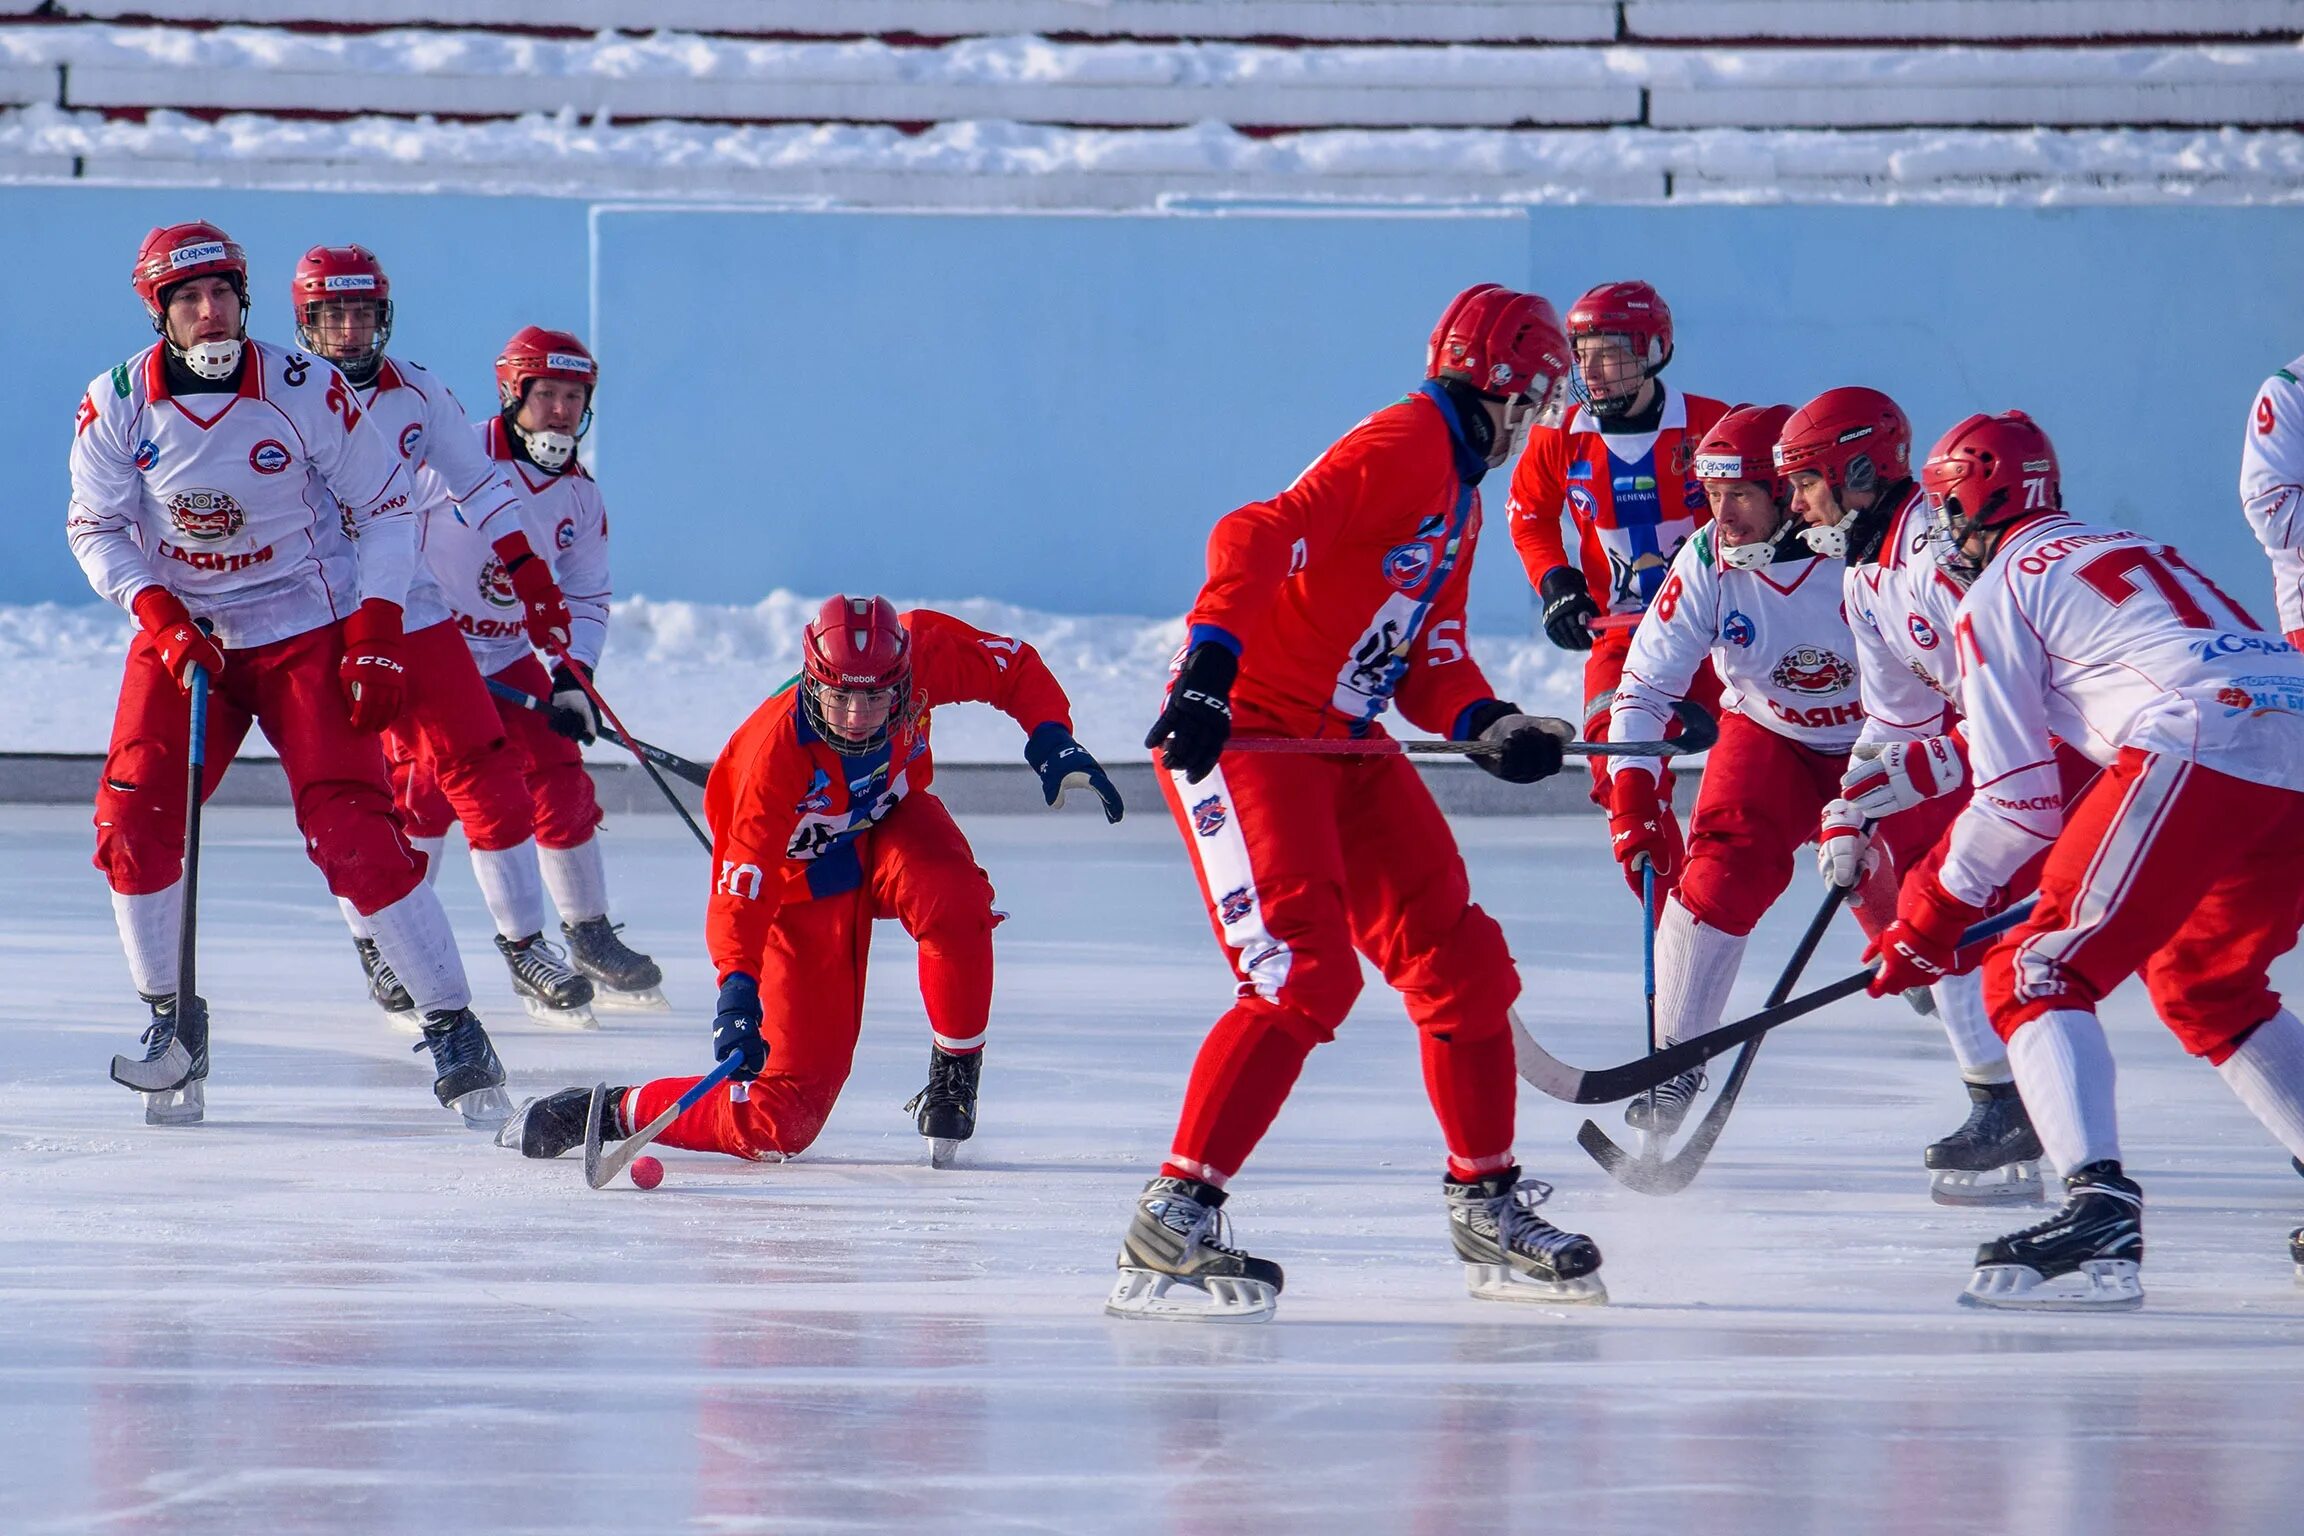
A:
1621,467
1323,606
821,822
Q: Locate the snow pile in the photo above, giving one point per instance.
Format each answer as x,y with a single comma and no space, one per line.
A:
684,675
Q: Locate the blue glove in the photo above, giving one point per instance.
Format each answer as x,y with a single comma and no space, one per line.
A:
736,1027
1062,763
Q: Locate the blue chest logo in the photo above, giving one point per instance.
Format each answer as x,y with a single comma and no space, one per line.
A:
1738,628
818,800
147,455
1406,565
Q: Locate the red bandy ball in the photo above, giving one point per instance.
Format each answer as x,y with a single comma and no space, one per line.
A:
647,1172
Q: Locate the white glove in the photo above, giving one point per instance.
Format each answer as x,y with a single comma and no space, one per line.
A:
1881,781
1844,851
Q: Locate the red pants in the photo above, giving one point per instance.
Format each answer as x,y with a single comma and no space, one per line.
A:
1307,863
2075,773
1762,797
2184,873
336,775
1603,674
918,870
449,736
563,809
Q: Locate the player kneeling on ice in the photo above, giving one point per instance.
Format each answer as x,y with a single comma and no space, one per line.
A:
2180,862
821,822
1323,605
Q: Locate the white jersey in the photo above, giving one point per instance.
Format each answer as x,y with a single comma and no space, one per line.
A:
2272,486
2107,640
1900,611
567,524
232,500
1775,635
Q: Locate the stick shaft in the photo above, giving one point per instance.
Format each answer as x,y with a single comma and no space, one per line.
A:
577,672
671,762
188,927
614,1163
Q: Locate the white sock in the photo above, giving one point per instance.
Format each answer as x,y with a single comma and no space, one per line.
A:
577,879
2064,1068
151,929
2267,1072
1982,1056
510,885
353,920
416,942
1695,967
433,848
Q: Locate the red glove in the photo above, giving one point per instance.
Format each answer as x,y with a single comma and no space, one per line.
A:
374,680
544,609
178,640
1641,830
1922,946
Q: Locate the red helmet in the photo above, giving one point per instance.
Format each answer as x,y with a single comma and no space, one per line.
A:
177,253
536,353
1500,342
342,272
856,672
1742,446
1989,472
1632,310
1855,438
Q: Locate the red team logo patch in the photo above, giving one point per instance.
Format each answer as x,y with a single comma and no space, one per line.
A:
411,439
1209,816
2235,698
1234,905
1924,633
564,536
496,586
206,515
268,457
1812,669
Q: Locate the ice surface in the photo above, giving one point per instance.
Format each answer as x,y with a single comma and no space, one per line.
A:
331,1309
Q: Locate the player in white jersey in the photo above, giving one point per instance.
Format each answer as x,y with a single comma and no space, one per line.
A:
2272,489
342,301
545,381
2181,862
1847,454
208,476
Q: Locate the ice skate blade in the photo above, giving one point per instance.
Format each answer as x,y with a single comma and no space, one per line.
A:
2011,1184
166,1075
1501,1282
1149,1296
2098,1285
645,1000
483,1109
578,1017
943,1151
184,1105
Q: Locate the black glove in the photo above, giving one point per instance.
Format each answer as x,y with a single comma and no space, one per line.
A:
1567,604
572,713
1063,763
736,1027
1198,716
1532,743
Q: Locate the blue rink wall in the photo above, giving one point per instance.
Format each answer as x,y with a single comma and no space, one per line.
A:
1050,409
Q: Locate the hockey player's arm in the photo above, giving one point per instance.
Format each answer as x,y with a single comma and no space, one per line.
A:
480,485
101,520
2017,807
365,473
1533,507
1898,705
957,663
748,857
582,569
2272,464
1257,547
1667,650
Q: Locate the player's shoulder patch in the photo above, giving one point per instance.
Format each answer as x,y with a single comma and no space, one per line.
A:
120,385
1701,541
2285,374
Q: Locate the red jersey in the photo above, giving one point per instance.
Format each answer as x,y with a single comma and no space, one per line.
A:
1345,592
786,810
1633,496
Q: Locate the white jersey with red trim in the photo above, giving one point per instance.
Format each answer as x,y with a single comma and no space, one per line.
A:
1775,635
1900,611
2272,486
567,524
2105,639
231,500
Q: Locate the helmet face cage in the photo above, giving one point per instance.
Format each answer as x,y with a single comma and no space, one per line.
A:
360,366
854,721
1986,474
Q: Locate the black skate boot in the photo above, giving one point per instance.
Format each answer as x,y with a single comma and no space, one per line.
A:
2088,1255
173,1073
945,1110
1658,1112
383,987
1993,1159
548,987
469,1080
554,1124
1512,1254
626,979
1175,1264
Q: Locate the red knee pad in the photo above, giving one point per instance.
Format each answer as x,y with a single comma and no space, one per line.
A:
139,834
485,791
1465,984
351,833
1717,895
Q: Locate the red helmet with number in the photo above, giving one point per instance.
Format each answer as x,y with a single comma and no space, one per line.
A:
1500,342
1632,310
856,672
340,272
1989,472
536,353
177,253
1855,438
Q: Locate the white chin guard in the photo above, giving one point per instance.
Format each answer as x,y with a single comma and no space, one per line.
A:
550,450
213,359
1747,557
1831,539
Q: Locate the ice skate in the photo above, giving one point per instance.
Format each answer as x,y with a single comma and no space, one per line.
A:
1512,1254
1657,1114
1992,1159
625,980
554,1123
470,1080
384,988
2088,1256
1175,1264
173,1072
945,1110
548,987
